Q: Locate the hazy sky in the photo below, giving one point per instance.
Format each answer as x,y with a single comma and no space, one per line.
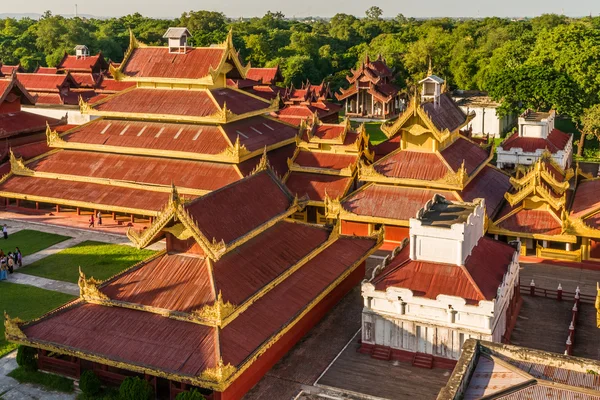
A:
303,8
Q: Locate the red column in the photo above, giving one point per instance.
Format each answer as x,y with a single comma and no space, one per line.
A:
559,292
18,202
57,208
37,205
532,288
78,211
114,215
132,218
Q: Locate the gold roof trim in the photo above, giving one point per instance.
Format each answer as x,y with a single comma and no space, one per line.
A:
17,166
88,288
215,313
12,328
220,373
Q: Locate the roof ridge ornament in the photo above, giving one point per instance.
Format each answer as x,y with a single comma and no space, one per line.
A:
17,165
216,312
263,163
12,327
88,288
219,373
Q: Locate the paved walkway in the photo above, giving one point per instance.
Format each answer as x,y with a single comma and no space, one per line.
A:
31,258
11,389
549,276
44,283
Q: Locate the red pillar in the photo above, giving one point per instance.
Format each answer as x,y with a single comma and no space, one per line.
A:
532,288
132,218
57,208
18,202
78,211
37,205
7,202
559,292
114,215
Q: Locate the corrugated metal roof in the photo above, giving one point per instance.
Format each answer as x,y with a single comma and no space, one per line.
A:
490,184
412,165
141,338
237,209
88,63
238,102
157,62
394,202
277,159
461,150
267,76
532,221
555,141
257,132
445,113
325,160
315,185
201,139
140,169
586,198
40,82
20,122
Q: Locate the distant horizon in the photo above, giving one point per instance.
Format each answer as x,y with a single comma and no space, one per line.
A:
308,8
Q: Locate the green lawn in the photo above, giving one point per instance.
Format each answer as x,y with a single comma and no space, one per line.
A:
376,135
30,241
26,302
100,260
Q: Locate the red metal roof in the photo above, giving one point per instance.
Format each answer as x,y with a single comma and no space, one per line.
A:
477,280
586,198
196,103
113,86
46,70
386,147
158,62
277,159
30,150
267,76
445,113
139,337
8,69
555,141
463,150
23,122
42,82
315,185
266,92
47,98
85,79
325,160
237,209
328,131
110,196
412,165
533,222
490,184
145,170
87,64
171,282
201,139
257,132
393,202
238,102
277,308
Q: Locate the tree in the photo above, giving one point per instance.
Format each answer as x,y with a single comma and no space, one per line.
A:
206,27
374,13
590,125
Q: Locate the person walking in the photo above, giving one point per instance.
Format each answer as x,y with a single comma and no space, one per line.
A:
10,262
99,215
19,257
5,231
91,225
3,266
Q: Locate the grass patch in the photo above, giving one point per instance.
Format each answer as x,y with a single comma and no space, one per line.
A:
26,302
376,135
30,241
48,381
100,260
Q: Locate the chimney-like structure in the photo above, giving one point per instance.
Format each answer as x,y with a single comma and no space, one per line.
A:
82,51
446,232
177,38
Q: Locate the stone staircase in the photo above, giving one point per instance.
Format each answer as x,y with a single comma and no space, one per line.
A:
382,353
423,360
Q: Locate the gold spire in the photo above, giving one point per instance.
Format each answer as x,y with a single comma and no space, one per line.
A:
430,69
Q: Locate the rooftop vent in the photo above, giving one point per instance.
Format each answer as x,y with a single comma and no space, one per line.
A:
177,39
82,51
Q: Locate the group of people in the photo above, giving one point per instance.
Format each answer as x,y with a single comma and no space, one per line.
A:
98,221
9,261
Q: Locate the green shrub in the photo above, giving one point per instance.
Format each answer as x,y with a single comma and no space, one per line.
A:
89,383
193,394
27,358
134,388
48,381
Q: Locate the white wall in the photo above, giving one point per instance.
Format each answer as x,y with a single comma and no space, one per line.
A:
74,116
487,122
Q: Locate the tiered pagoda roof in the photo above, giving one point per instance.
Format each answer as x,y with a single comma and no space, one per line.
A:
301,104
326,160
247,277
424,154
538,203
376,74
8,70
175,119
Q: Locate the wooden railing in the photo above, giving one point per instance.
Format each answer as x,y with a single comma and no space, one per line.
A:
555,294
56,365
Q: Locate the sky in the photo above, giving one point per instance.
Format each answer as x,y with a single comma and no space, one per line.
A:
305,8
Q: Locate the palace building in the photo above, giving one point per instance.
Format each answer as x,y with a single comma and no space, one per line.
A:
425,154
178,123
325,163
372,93
301,104
444,285
536,134
239,284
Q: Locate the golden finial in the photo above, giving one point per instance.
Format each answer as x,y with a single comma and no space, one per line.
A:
12,327
263,164
430,69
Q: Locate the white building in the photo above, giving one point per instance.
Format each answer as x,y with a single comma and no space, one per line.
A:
536,134
448,283
486,120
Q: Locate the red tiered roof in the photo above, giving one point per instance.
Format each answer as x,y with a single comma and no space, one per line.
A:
23,122
267,76
328,131
586,198
46,70
555,142
409,164
43,82
463,150
257,132
83,64
532,221
277,159
158,62
215,218
392,202
145,170
58,191
477,280
316,185
113,86
491,184
85,79
444,113
325,160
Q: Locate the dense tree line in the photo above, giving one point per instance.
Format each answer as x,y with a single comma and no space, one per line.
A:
546,62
